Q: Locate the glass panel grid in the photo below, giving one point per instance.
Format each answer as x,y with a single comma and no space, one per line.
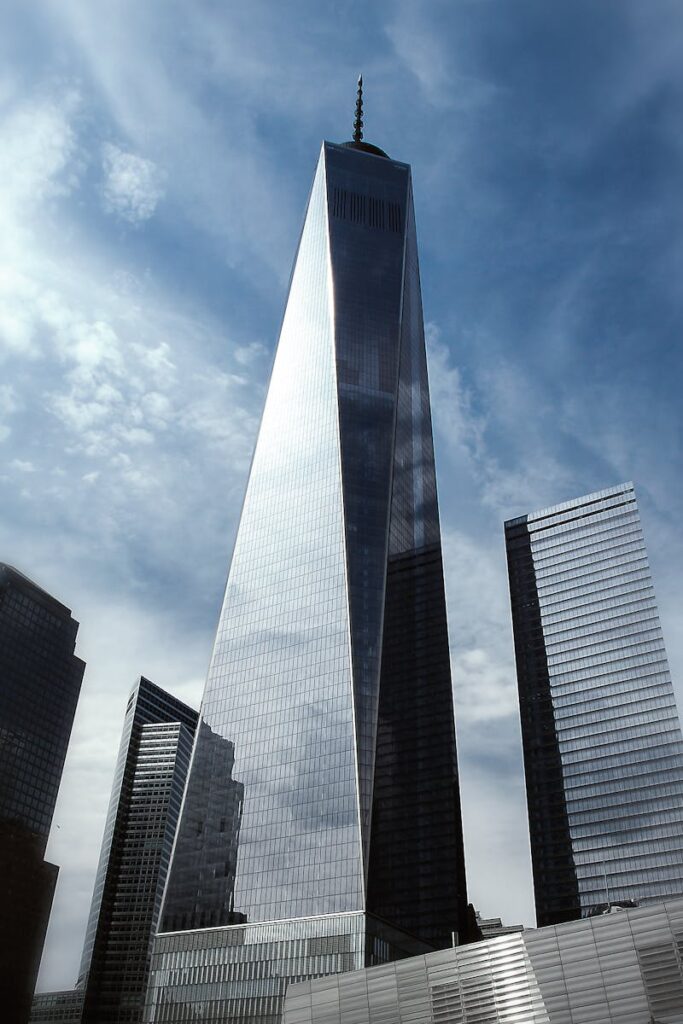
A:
590,648
279,690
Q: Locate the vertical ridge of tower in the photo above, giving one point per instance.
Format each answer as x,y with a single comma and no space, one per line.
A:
367,202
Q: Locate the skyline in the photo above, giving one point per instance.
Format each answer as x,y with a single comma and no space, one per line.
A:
539,214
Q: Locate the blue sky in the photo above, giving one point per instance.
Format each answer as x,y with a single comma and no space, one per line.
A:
155,160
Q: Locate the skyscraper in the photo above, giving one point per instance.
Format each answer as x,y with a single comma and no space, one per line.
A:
40,680
330,676
603,751
150,775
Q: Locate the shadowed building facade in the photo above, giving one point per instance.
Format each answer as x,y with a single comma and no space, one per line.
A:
330,676
40,681
151,770
65,1007
603,750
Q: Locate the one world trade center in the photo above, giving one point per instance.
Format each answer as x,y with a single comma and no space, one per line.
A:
321,829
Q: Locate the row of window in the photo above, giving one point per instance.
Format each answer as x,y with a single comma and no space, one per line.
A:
601,607
583,569
588,543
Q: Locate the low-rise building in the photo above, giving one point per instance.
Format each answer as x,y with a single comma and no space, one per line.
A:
621,967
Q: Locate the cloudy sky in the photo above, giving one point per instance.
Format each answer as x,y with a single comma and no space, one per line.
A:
155,160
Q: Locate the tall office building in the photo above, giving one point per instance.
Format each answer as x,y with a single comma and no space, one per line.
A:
150,775
40,680
603,751
330,677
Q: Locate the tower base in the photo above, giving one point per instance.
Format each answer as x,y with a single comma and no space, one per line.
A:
241,973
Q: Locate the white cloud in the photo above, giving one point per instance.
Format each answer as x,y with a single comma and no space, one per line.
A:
133,186
17,299
105,368
157,407
420,46
22,466
8,406
484,679
8,402
484,428
497,838
157,359
247,355
15,330
452,408
39,153
231,192
205,415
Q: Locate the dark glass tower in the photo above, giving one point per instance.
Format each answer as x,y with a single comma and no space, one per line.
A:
330,677
151,771
603,750
40,680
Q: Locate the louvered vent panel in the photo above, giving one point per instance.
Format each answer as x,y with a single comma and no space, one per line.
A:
662,970
367,210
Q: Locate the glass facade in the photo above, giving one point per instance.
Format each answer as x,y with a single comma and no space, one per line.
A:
40,681
64,1007
150,775
279,683
623,967
330,676
603,749
241,973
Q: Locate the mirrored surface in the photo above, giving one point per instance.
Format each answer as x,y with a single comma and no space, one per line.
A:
280,682
330,678
603,745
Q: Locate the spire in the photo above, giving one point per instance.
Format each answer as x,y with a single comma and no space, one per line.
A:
358,123
357,142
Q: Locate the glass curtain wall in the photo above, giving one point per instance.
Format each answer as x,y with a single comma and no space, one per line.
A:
330,676
602,739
